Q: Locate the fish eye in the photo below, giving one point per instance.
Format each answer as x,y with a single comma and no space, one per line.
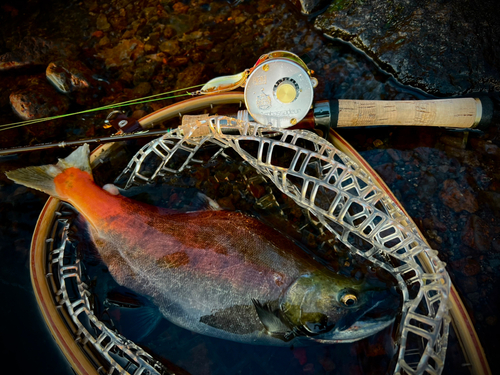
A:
349,299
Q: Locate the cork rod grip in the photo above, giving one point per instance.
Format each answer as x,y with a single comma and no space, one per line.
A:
455,113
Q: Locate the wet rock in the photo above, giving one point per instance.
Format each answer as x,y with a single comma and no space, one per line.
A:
466,157
169,32
458,198
485,147
119,21
102,23
441,46
301,355
427,186
37,100
466,266
153,38
144,72
327,363
424,154
455,142
180,7
192,75
123,54
142,89
490,199
36,51
469,285
394,154
387,172
70,76
314,6
433,223
171,47
476,234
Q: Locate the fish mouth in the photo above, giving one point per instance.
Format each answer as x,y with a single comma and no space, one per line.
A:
358,331
379,314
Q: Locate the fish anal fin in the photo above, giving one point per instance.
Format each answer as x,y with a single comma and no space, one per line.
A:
134,315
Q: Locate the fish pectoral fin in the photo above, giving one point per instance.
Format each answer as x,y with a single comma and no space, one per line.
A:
272,322
208,202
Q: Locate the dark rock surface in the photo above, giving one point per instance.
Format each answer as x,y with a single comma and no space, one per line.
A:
445,47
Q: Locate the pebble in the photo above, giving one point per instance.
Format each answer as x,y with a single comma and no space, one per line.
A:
469,285
171,47
124,53
467,266
142,89
458,198
387,172
102,23
476,234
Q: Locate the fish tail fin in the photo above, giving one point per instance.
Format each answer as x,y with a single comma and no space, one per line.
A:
42,177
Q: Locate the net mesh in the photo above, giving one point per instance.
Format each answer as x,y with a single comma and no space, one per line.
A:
107,350
340,195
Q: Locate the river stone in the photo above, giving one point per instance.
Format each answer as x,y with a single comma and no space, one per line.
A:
476,234
171,47
102,23
36,51
38,100
458,198
122,54
443,47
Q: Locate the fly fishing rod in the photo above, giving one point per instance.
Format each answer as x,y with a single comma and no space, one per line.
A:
278,91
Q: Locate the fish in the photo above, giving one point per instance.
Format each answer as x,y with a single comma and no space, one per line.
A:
215,272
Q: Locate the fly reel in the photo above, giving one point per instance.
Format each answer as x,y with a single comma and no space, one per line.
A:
279,89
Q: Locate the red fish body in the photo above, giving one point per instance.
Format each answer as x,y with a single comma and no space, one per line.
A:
218,273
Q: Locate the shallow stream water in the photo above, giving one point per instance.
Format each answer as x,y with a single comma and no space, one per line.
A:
448,182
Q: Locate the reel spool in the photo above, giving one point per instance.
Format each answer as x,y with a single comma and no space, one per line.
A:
279,89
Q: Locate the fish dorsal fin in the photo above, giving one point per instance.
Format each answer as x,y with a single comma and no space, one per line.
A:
77,159
42,177
271,321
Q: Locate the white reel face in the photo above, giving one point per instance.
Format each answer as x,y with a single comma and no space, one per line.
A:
279,92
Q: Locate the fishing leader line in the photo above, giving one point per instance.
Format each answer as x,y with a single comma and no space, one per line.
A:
146,99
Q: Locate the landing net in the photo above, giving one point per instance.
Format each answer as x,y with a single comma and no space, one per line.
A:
106,349
340,195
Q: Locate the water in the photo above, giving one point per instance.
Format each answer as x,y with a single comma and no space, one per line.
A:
467,241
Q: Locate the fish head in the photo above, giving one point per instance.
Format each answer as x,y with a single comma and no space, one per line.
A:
338,309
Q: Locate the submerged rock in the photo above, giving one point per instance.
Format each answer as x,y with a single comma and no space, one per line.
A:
458,198
476,234
73,77
35,51
123,53
443,47
38,99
